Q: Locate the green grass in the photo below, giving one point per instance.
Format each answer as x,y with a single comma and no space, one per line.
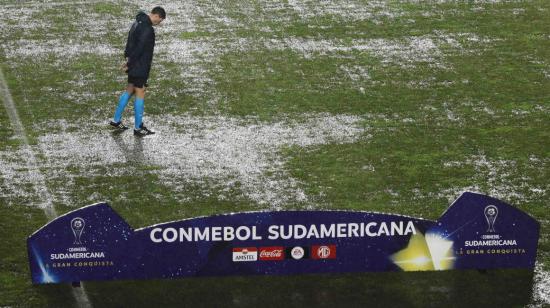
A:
6,131
109,9
194,34
17,289
406,165
480,119
154,205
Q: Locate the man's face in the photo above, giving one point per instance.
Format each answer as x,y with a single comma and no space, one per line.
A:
155,19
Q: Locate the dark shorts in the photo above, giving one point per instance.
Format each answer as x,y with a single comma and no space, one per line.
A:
138,82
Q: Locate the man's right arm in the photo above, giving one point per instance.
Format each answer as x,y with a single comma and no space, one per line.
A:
130,41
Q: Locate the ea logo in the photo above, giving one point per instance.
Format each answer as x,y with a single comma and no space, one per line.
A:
297,253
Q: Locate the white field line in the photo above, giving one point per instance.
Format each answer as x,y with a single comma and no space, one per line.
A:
38,179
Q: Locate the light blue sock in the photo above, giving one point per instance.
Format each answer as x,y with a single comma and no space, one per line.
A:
122,102
138,110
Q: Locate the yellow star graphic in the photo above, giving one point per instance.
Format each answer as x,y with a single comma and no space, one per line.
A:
425,254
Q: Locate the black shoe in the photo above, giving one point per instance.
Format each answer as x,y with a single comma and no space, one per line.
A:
118,125
143,131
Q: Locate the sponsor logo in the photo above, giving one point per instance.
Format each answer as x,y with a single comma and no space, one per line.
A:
323,252
245,254
272,253
297,253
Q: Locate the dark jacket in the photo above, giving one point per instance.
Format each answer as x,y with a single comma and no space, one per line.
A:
140,46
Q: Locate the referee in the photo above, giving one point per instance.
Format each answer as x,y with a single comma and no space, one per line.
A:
139,55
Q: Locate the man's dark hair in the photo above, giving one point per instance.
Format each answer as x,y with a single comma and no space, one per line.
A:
159,11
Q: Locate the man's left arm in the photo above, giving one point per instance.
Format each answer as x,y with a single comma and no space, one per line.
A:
145,37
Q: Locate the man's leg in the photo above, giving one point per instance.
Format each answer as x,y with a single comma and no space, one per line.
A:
139,106
122,102
140,129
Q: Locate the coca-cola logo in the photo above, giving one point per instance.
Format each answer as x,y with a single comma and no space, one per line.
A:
271,253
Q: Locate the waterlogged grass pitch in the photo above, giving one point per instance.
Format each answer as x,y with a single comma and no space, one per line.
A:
390,106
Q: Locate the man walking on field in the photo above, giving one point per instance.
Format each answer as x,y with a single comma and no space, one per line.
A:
139,55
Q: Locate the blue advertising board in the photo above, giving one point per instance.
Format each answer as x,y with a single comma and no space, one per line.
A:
95,243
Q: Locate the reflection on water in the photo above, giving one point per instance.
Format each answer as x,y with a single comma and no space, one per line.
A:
132,153
505,288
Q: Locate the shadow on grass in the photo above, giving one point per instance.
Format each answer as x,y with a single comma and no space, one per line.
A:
506,288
